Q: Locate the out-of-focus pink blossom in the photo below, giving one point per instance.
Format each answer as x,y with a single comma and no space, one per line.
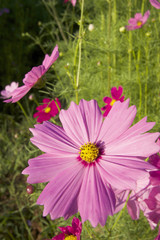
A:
72,232
155,3
34,77
4,10
72,1
49,108
138,21
7,93
116,96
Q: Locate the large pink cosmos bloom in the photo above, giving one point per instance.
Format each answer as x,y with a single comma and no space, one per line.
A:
49,108
116,96
72,1
155,3
87,157
33,77
70,233
7,92
138,21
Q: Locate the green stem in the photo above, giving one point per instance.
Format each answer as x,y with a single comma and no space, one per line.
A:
115,39
23,219
80,50
142,7
130,49
139,82
109,44
54,15
24,112
147,72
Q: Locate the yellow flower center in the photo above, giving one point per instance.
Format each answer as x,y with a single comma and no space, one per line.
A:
47,109
89,152
70,237
112,102
139,23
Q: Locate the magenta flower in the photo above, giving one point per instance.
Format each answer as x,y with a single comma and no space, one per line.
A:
7,93
72,1
34,77
4,10
116,96
138,21
155,3
49,109
70,233
87,157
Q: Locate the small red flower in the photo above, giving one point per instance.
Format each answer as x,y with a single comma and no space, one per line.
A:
49,109
70,233
116,96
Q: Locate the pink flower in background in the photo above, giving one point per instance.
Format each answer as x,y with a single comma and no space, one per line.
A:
116,96
72,1
146,197
49,109
138,21
155,3
34,77
4,10
7,93
87,157
70,233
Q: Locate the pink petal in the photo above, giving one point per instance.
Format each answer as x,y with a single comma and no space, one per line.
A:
73,2
146,16
116,93
140,145
108,108
124,176
32,77
51,138
18,93
49,60
155,3
138,16
133,209
45,167
107,100
60,196
99,198
78,123
132,21
118,121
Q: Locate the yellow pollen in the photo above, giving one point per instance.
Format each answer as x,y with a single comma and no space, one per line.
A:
70,237
89,152
139,23
47,109
112,102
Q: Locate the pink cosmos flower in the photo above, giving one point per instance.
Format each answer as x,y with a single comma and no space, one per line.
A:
34,77
116,96
72,1
7,93
47,110
88,157
138,21
155,3
146,197
70,233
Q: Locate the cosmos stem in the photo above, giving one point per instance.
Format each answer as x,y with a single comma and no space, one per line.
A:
79,50
24,112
